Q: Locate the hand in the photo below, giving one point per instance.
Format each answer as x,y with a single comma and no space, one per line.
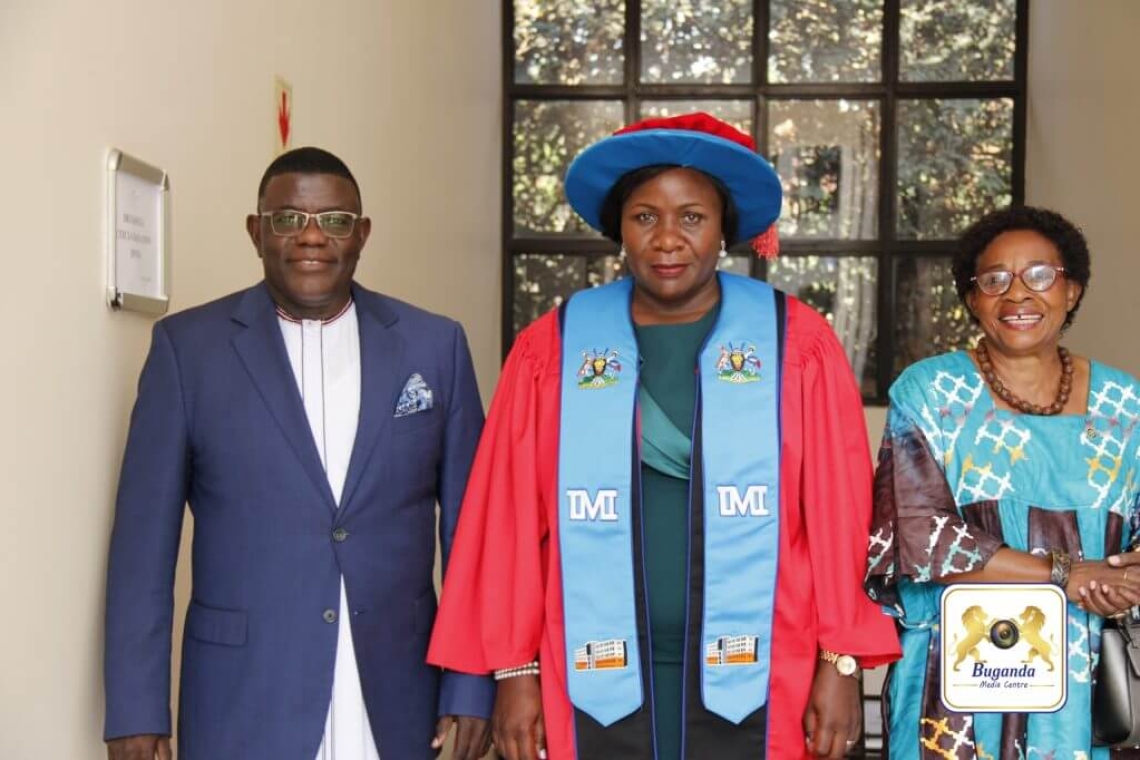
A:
1105,588
834,716
517,720
141,747
472,737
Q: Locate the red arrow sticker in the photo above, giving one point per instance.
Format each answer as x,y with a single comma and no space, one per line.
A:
283,118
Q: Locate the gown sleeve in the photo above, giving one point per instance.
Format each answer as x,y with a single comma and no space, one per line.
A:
491,608
836,501
918,533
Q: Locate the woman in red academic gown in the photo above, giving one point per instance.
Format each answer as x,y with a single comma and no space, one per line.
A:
503,599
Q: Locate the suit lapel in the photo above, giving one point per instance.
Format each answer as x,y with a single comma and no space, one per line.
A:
262,351
381,356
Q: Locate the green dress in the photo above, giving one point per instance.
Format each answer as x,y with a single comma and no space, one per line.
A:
668,376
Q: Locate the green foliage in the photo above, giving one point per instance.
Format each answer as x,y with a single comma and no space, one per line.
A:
818,41
569,42
956,40
548,134
955,163
696,41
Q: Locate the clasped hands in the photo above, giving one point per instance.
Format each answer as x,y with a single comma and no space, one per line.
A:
1106,587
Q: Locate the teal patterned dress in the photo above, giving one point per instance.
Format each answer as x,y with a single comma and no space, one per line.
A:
958,479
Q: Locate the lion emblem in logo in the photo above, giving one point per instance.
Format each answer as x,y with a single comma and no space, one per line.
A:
1031,620
977,625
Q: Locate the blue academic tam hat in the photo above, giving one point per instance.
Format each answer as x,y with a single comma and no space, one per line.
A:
696,141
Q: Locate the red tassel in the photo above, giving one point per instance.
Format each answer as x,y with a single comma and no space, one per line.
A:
767,243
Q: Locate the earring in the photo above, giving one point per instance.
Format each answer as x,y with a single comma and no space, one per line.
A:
723,252
621,253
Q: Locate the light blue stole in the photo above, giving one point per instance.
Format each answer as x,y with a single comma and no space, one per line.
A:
740,495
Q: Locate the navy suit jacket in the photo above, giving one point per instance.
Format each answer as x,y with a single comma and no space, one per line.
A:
219,423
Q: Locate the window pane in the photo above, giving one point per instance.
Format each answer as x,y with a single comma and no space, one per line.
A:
737,264
825,41
738,113
544,281
602,270
705,41
929,318
845,291
569,41
547,137
827,155
955,163
956,40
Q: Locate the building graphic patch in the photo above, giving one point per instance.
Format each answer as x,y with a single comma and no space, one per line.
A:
610,654
742,649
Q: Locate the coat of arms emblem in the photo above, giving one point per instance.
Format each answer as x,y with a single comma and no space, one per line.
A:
738,364
600,369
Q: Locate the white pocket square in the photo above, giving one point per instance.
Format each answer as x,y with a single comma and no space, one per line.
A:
416,397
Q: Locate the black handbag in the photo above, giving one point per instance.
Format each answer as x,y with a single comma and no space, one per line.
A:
1116,698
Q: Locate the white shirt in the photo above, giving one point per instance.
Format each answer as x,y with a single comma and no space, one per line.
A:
325,357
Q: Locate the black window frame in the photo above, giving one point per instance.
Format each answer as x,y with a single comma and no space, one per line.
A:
887,248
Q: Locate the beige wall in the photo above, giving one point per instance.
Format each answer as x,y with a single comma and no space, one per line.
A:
406,91
1082,160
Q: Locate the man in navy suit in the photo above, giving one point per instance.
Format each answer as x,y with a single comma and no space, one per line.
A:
312,426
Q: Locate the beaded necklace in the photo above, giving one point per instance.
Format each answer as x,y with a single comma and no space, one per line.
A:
1020,404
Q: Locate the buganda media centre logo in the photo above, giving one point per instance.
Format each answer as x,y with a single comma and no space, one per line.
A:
1004,648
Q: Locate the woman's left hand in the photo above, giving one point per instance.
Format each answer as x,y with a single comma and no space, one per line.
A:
834,716
1096,595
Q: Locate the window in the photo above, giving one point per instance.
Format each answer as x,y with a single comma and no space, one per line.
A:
892,123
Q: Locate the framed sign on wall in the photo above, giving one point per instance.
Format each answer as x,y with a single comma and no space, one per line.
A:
138,235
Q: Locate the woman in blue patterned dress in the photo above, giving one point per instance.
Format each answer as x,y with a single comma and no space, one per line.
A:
1016,461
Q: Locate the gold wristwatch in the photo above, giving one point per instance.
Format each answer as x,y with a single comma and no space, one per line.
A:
844,663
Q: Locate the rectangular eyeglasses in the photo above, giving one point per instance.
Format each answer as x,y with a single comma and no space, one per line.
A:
289,222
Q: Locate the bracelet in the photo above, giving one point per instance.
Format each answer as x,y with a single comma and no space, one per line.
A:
1059,572
530,669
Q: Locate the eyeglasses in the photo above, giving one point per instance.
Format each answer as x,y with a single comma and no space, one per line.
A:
289,223
1036,277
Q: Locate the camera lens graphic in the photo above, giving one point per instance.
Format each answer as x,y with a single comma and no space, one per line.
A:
1004,634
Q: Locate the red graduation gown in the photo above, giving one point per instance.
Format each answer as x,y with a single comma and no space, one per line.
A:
502,597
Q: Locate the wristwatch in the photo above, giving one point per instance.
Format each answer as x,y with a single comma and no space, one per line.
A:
844,663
